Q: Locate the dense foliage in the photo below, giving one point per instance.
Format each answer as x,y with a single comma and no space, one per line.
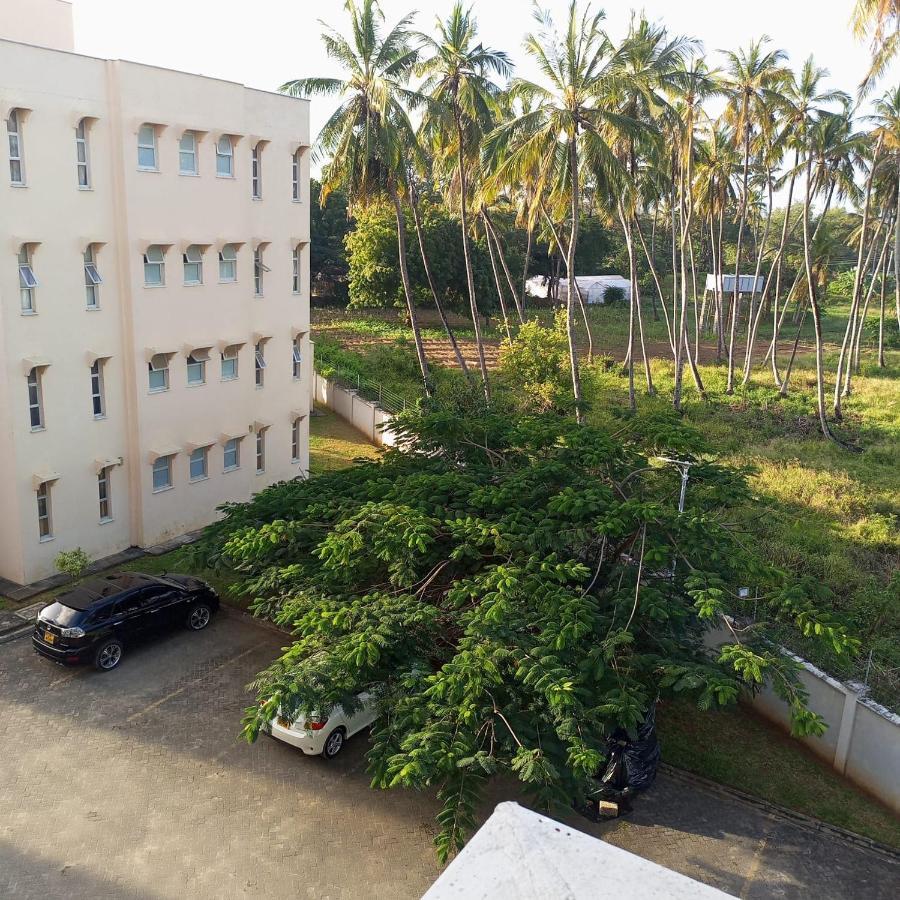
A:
513,588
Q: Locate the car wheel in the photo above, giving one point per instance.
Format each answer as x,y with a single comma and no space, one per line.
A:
108,655
198,617
334,743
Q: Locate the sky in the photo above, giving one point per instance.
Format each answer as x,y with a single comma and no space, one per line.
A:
263,43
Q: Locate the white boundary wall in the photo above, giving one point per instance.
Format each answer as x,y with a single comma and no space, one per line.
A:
366,417
862,741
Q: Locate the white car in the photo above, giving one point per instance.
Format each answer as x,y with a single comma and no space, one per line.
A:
325,735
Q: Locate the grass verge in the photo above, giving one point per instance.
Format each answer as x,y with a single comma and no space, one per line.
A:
738,748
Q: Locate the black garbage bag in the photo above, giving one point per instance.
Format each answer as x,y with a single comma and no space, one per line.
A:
631,765
642,754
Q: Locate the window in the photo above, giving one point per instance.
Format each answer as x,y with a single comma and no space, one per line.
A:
196,367
14,133
82,163
147,148
92,279
295,176
260,451
187,154
35,400
225,157
199,463
256,172
98,402
259,269
154,266
45,524
260,360
231,456
27,280
297,357
295,278
193,265
103,494
162,473
296,429
230,364
228,263
159,373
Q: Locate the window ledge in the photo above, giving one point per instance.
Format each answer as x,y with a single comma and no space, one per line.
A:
189,174
192,284
18,184
159,391
226,380
36,428
226,177
162,490
46,539
228,281
198,479
28,312
230,469
92,309
100,418
195,384
107,521
151,170
85,187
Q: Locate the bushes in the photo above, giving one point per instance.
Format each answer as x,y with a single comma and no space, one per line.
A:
73,562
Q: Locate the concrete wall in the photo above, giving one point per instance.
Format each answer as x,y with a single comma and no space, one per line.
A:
366,417
862,740
122,211
46,23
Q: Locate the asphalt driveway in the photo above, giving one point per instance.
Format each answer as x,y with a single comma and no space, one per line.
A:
133,784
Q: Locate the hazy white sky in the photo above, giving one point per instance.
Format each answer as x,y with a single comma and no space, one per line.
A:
263,43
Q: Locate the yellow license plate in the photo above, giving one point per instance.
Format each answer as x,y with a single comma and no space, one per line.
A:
49,638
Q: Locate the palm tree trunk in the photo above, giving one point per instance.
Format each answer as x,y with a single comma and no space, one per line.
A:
525,266
490,246
460,360
570,266
881,363
489,226
737,265
755,316
881,268
634,307
897,248
814,305
407,290
470,278
659,290
857,281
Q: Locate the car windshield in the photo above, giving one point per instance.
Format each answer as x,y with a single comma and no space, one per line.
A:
62,615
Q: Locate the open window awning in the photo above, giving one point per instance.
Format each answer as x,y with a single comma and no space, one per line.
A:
191,446
231,435
93,355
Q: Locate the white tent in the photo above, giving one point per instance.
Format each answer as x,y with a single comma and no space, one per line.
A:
593,287
727,286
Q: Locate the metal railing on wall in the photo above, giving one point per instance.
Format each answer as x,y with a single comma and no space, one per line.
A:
373,391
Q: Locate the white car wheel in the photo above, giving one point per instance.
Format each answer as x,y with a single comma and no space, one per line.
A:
334,744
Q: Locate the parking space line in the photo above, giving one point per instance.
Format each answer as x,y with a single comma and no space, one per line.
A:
181,690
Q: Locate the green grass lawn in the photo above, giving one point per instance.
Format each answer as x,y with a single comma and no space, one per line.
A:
737,748
334,443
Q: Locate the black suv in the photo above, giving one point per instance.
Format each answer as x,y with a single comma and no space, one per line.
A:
95,621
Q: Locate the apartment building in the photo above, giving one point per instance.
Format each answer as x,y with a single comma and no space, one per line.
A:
154,296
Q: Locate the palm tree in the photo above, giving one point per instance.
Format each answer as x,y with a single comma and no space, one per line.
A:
563,131
368,139
799,98
462,102
887,123
754,75
879,22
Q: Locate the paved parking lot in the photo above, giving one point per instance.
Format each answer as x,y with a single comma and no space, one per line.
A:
133,784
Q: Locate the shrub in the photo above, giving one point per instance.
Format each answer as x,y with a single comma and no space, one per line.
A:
73,562
613,295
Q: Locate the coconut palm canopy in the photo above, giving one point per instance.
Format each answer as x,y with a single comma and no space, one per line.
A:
644,135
